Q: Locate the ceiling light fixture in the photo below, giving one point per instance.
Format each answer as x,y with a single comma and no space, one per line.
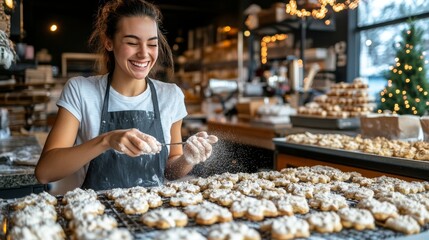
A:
318,8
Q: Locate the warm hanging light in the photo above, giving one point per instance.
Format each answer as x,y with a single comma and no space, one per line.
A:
320,9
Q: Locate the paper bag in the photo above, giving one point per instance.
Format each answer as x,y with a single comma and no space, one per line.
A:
401,127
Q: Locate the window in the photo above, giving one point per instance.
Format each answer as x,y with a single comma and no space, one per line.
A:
379,25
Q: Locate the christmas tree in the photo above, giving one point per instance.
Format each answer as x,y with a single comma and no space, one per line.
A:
407,88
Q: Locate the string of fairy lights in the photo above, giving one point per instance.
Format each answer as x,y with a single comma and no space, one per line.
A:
265,41
318,10
397,68
321,8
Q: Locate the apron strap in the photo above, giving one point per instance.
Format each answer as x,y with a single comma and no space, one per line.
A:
105,109
158,128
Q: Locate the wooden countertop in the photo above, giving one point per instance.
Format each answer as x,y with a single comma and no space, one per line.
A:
258,135
11,175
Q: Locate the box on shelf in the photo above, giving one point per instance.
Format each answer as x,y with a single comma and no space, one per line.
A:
274,14
424,122
249,108
42,74
401,127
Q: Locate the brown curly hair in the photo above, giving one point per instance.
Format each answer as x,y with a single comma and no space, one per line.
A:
105,27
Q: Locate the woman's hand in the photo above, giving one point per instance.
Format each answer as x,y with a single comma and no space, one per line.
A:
132,142
198,147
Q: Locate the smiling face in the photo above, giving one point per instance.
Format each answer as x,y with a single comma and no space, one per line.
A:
135,46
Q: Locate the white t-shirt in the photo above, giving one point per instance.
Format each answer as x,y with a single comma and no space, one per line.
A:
83,97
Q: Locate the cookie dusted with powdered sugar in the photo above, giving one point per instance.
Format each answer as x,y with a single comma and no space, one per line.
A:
185,199
413,209
324,222
220,184
116,193
164,191
282,182
271,194
382,188
409,187
358,193
208,213
232,230
233,177
328,202
342,186
79,194
389,196
301,189
270,175
44,231
421,198
333,173
380,210
359,219
404,224
253,209
130,205
223,197
113,234
290,204
184,187
288,227
33,199
164,218
312,177
180,234
93,223
77,208
34,215
201,182
249,188
363,181
242,176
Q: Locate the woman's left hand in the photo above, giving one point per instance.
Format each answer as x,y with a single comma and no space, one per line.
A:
198,147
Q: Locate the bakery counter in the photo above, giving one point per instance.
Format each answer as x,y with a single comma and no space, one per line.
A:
18,155
370,165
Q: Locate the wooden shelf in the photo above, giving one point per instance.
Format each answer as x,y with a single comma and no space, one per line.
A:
293,25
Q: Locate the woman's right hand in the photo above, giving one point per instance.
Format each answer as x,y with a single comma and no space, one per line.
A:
132,142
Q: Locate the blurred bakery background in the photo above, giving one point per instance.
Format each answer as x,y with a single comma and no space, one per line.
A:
253,72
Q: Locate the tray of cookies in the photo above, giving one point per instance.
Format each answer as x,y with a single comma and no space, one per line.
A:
380,154
316,202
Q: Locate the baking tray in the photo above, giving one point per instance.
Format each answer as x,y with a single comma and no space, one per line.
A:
325,122
142,232
400,166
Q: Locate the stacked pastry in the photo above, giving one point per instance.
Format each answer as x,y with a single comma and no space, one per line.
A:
343,100
35,217
87,219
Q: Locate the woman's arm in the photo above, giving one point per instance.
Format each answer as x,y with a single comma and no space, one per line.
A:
177,166
61,158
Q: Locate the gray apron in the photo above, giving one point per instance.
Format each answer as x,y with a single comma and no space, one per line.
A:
112,169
